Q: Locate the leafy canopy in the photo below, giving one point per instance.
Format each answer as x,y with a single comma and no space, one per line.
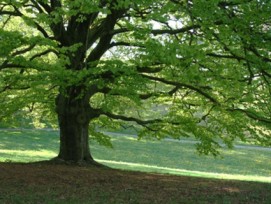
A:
173,68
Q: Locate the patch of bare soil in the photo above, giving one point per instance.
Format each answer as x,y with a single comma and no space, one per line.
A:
54,183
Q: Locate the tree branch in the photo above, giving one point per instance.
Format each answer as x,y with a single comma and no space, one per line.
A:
118,31
176,31
103,31
159,31
16,12
10,65
226,56
45,6
224,4
36,5
149,69
114,44
30,47
178,84
6,63
42,30
10,13
43,53
255,51
252,115
143,123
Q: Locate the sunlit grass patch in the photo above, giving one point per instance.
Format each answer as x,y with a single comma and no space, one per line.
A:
25,155
183,172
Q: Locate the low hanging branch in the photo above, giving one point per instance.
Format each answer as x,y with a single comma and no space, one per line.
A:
179,84
252,115
131,119
143,123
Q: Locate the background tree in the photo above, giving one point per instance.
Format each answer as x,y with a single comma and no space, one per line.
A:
176,68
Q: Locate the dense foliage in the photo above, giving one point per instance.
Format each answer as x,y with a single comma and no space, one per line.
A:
175,68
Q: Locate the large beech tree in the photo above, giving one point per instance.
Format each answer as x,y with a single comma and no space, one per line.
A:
176,68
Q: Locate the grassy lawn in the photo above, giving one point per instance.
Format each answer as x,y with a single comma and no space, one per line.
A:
148,156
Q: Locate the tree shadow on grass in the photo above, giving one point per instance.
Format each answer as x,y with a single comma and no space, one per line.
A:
32,183
28,140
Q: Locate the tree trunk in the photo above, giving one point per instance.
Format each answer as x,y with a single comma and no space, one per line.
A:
74,118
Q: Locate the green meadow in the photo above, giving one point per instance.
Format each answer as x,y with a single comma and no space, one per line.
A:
171,157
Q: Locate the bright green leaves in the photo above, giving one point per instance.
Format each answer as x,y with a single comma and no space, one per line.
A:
122,4
9,42
78,8
25,58
123,85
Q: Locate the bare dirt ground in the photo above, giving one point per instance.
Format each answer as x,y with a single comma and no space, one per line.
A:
47,183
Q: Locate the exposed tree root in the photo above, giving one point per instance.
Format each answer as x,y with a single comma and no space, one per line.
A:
57,160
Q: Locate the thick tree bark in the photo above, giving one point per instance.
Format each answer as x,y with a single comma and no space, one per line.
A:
74,117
